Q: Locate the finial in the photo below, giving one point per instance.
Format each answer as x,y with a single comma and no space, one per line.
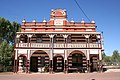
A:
44,20
92,21
72,20
23,20
82,21
34,20
64,9
52,9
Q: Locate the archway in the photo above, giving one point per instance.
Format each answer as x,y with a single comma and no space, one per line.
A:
22,61
39,61
58,63
77,61
94,62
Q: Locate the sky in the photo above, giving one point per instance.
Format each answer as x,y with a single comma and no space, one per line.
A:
106,14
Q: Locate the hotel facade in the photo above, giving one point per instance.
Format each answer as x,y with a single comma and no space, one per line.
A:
58,45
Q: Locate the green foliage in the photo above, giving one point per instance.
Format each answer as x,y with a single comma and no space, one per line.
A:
112,60
6,55
8,30
7,36
103,55
116,56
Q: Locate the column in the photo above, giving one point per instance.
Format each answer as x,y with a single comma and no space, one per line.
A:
87,38
20,65
65,53
16,67
28,61
100,66
29,39
15,61
39,66
51,53
17,39
88,52
28,53
88,61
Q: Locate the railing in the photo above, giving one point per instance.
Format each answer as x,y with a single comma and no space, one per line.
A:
59,45
40,45
82,45
22,45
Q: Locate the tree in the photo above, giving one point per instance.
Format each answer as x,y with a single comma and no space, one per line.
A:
6,56
116,56
103,55
8,30
106,59
7,36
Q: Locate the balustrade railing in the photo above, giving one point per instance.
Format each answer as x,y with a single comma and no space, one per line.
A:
59,45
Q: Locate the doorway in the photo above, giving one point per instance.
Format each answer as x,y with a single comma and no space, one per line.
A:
58,63
39,61
77,62
94,63
34,64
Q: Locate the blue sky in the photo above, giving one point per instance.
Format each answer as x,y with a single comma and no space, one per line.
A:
106,13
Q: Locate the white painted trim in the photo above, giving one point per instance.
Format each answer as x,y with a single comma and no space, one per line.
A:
66,27
88,55
16,54
94,51
65,55
59,29
89,30
59,49
100,55
63,32
28,29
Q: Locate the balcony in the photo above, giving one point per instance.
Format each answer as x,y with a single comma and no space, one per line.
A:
58,45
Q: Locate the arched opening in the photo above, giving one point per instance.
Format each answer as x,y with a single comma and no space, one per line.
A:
39,61
58,63
22,61
94,62
77,62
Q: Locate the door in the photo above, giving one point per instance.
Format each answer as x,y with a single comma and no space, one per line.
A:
34,64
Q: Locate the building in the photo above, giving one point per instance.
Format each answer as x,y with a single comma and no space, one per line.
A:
58,45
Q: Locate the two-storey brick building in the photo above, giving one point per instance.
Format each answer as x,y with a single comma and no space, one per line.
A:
58,45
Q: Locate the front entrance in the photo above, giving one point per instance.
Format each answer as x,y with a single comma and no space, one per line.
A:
77,62
39,62
94,62
34,64
58,63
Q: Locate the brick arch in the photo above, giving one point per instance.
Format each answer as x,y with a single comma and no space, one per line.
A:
39,52
21,62
59,55
56,58
74,51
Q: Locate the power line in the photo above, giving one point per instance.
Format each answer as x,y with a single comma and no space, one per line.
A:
85,14
82,10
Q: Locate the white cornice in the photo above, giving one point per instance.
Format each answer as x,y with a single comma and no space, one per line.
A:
59,32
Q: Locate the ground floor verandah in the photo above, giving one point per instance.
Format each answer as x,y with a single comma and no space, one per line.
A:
43,61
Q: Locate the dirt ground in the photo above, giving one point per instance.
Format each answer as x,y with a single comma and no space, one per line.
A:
110,75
